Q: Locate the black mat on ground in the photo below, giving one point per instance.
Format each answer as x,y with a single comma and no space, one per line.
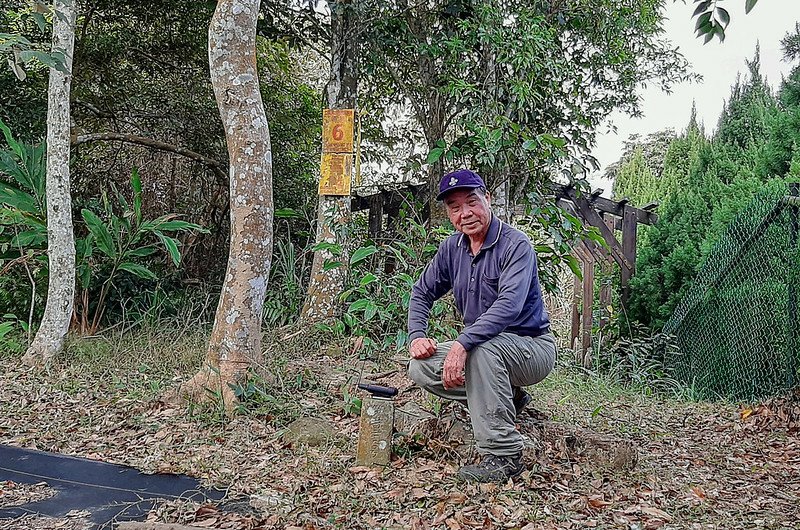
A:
108,491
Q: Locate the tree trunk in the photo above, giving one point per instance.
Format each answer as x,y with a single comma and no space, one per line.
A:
50,338
235,341
324,287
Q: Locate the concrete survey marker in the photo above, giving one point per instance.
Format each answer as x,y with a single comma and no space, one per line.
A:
108,492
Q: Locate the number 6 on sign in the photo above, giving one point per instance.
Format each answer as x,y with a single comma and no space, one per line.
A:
337,131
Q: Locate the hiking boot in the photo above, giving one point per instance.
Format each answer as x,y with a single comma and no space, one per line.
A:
521,399
493,468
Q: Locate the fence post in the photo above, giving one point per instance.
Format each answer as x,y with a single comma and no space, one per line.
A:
794,325
629,225
588,306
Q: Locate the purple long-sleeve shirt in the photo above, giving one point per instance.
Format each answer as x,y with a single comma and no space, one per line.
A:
496,291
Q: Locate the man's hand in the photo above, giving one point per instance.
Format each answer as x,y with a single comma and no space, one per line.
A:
454,365
422,348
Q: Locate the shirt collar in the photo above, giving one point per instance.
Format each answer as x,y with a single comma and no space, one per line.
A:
492,236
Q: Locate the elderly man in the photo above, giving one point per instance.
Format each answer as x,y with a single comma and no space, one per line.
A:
506,342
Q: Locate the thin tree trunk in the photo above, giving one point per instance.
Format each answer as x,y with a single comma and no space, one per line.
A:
49,340
235,342
324,287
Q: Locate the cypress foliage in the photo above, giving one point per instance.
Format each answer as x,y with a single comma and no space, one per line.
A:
702,182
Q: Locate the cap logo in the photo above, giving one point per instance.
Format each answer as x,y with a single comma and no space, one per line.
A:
453,181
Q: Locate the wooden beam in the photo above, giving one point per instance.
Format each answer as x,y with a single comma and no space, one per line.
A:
390,196
629,226
588,306
575,327
594,219
375,223
605,289
600,254
605,205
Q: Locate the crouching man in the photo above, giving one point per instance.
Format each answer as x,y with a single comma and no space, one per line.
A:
506,342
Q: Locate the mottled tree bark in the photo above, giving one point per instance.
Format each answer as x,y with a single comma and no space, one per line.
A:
49,339
324,287
235,341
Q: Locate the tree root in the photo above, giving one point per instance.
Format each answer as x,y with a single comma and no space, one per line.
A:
209,386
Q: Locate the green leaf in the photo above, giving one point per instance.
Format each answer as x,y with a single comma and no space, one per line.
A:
15,146
165,224
30,238
368,279
358,305
723,16
44,58
330,265
102,236
40,21
333,248
370,311
138,270
136,184
362,253
749,5
714,30
18,199
701,8
287,213
574,265
434,156
171,245
703,20
141,252
84,273
554,141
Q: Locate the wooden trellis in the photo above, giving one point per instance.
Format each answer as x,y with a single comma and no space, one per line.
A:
609,217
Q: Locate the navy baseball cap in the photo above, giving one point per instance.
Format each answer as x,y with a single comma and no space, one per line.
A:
459,179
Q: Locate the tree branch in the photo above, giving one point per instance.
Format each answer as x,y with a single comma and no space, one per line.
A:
215,166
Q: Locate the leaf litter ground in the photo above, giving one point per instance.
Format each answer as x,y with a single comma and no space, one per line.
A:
700,465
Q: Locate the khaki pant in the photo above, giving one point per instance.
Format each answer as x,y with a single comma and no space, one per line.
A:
492,370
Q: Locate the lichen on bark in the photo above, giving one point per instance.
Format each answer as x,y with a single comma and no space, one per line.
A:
235,342
50,337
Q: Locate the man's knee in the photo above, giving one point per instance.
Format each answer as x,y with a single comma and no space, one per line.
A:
418,373
483,357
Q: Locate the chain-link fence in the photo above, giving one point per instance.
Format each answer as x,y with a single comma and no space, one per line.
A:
737,329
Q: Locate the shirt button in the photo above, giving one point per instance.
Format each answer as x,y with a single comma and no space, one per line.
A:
472,279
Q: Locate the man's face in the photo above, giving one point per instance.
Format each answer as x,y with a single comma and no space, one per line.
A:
469,211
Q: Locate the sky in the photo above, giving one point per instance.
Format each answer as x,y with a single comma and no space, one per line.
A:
718,63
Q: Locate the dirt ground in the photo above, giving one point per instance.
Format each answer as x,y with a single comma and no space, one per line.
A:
694,465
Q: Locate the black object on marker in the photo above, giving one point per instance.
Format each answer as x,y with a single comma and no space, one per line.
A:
377,390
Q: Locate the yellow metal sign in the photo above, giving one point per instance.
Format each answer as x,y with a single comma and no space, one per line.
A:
337,131
336,173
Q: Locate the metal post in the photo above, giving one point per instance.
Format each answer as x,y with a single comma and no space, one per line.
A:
794,324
